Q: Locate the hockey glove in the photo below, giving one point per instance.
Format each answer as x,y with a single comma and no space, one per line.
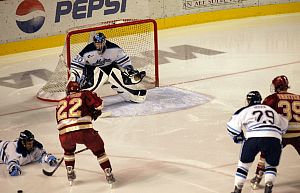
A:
14,170
96,114
51,159
85,83
131,76
128,69
239,138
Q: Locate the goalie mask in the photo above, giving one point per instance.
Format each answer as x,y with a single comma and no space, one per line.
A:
100,42
253,98
279,83
73,86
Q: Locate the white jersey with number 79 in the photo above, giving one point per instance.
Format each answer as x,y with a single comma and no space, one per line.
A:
258,121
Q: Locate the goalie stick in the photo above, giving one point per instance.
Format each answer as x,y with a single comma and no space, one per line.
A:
50,173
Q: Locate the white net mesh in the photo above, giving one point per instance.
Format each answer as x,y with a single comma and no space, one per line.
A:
136,37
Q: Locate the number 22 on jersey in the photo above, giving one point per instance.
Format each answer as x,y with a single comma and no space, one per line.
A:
68,109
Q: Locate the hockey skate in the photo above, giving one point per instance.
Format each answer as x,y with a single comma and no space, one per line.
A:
256,180
109,177
71,174
268,187
237,189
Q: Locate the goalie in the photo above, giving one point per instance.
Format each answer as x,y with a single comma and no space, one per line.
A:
102,61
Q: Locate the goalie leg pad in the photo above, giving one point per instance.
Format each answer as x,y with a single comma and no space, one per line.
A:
90,78
131,93
141,97
127,96
100,78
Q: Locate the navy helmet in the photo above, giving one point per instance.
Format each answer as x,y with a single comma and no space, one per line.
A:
26,136
100,42
253,98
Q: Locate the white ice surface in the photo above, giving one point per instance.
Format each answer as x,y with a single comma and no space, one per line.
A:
180,151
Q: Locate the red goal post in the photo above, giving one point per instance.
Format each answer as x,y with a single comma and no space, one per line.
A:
138,38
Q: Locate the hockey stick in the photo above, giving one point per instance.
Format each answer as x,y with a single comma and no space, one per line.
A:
106,114
50,173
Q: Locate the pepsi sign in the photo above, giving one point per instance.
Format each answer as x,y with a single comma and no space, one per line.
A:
30,16
81,9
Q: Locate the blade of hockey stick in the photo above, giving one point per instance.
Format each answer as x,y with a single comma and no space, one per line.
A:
50,173
47,173
106,114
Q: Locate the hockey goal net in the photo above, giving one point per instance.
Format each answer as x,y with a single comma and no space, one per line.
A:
138,38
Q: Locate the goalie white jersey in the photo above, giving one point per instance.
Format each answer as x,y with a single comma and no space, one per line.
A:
259,121
92,57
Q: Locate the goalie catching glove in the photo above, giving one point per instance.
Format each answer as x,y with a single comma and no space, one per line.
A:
131,76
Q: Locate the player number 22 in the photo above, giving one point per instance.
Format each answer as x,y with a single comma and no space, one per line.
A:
73,111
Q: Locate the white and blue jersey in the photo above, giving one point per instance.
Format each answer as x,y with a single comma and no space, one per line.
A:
13,153
258,121
90,56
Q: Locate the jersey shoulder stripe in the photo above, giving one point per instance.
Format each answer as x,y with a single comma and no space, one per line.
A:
264,126
123,60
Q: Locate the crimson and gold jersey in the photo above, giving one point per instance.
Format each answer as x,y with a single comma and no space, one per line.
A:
287,104
75,111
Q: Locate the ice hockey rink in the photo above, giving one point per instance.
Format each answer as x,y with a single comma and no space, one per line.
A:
184,150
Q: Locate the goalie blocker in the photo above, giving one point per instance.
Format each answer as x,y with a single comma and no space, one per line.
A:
125,81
